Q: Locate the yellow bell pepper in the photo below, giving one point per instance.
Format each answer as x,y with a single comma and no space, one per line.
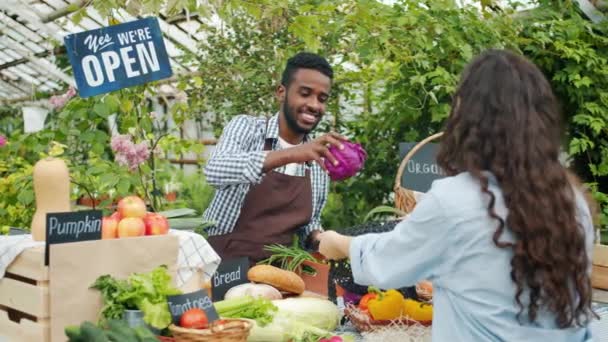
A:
417,310
386,306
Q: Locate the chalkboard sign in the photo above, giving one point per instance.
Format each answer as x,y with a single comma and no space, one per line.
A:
422,169
72,227
118,56
179,304
230,273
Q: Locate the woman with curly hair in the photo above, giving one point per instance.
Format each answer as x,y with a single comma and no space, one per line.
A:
506,237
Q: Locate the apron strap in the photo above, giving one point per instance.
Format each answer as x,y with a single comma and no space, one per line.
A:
267,141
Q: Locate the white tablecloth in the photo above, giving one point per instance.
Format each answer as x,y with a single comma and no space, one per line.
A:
194,254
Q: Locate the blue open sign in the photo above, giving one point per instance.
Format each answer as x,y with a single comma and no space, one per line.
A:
118,56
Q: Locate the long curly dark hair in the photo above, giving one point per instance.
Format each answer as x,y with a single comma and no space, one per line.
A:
505,119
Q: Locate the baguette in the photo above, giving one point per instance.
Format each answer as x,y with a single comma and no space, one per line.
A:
281,279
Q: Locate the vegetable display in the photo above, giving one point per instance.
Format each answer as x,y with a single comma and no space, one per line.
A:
143,291
259,309
112,331
391,305
350,160
319,313
289,258
386,305
417,310
253,290
364,302
299,320
194,318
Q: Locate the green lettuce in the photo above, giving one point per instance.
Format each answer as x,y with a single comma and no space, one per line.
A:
141,291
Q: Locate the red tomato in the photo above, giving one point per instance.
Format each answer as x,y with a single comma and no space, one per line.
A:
194,319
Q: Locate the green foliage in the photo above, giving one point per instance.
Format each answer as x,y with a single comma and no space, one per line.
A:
16,207
396,67
194,191
80,133
572,51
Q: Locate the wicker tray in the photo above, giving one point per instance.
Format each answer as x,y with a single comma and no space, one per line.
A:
223,330
364,323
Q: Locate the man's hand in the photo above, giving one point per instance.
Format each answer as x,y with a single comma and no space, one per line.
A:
315,150
334,246
318,149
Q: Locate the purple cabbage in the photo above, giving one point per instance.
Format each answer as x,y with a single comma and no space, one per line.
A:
350,161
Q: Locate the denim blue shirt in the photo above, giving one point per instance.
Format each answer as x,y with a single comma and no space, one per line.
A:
447,239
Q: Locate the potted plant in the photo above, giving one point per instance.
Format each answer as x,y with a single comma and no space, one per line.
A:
310,266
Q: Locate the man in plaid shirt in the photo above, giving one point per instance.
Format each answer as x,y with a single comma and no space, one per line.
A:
269,173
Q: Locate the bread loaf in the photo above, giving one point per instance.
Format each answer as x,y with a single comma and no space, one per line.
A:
281,279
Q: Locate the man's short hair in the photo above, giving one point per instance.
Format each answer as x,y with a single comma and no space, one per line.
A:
305,60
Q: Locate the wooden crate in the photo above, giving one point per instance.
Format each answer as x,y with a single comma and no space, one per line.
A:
599,272
37,302
24,299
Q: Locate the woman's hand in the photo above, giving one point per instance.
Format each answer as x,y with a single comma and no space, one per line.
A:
334,246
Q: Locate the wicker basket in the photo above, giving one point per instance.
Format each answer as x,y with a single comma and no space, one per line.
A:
404,198
224,330
364,323
165,339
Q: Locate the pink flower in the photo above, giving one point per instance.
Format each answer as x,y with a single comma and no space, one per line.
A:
129,154
121,143
3,140
121,159
70,93
57,101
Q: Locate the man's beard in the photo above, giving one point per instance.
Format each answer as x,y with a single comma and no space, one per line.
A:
290,118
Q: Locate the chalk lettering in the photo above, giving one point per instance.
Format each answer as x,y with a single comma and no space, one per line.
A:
414,167
74,228
435,169
201,303
227,278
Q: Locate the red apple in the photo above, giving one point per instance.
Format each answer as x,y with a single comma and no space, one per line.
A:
156,224
131,226
109,228
115,215
131,206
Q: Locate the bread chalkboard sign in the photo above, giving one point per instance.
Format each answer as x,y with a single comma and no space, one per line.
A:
230,273
422,169
199,299
72,227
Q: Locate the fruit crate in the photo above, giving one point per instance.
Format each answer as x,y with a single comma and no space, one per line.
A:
24,299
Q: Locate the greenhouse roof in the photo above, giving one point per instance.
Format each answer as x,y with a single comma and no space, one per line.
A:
31,37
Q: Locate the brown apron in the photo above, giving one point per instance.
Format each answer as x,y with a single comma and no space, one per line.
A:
272,212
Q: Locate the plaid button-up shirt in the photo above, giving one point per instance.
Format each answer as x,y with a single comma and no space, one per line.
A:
236,164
